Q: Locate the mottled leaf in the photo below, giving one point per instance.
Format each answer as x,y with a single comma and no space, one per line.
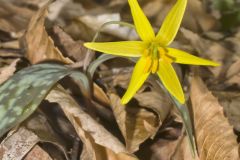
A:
94,65
25,90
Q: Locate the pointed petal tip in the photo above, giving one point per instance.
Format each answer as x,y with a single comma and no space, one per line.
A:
142,24
215,64
181,100
183,57
170,81
172,23
86,44
124,100
211,63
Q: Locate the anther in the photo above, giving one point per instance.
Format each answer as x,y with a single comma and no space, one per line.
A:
164,55
146,52
161,51
155,64
147,65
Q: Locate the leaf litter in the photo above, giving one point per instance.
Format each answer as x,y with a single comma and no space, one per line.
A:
95,125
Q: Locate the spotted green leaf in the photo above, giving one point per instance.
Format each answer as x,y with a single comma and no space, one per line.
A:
24,91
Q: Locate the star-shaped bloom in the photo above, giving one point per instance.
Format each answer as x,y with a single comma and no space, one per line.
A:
154,54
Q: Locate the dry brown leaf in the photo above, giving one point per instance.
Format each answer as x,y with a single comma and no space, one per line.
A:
165,143
34,4
8,50
8,71
156,101
9,44
13,18
136,124
37,153
204,22
99,144
233,69
233,74
183,150
100,95
40,125
95,22
152,7
235,42
208,49
74,50
164,149
17,144
214,135
36,42
230,102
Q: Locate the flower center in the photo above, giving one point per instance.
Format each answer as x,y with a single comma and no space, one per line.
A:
154,55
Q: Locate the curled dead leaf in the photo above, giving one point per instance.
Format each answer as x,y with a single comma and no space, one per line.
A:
37,153
136,124
40,125
156,101
99,144
214,135
233,74
8,71
208,49
14,18
204,22
18,144
230,102
73,49
36,42
182,151
100,95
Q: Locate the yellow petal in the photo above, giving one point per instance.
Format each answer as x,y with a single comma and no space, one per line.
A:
137,80
143,27
125,48
186,58
170,80
172,23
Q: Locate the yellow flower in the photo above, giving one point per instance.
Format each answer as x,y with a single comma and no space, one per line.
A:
155,56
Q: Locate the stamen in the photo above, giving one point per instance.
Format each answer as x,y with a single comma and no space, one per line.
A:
161,52
148,65
163,55
155,53
171,57
155,66
146,52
